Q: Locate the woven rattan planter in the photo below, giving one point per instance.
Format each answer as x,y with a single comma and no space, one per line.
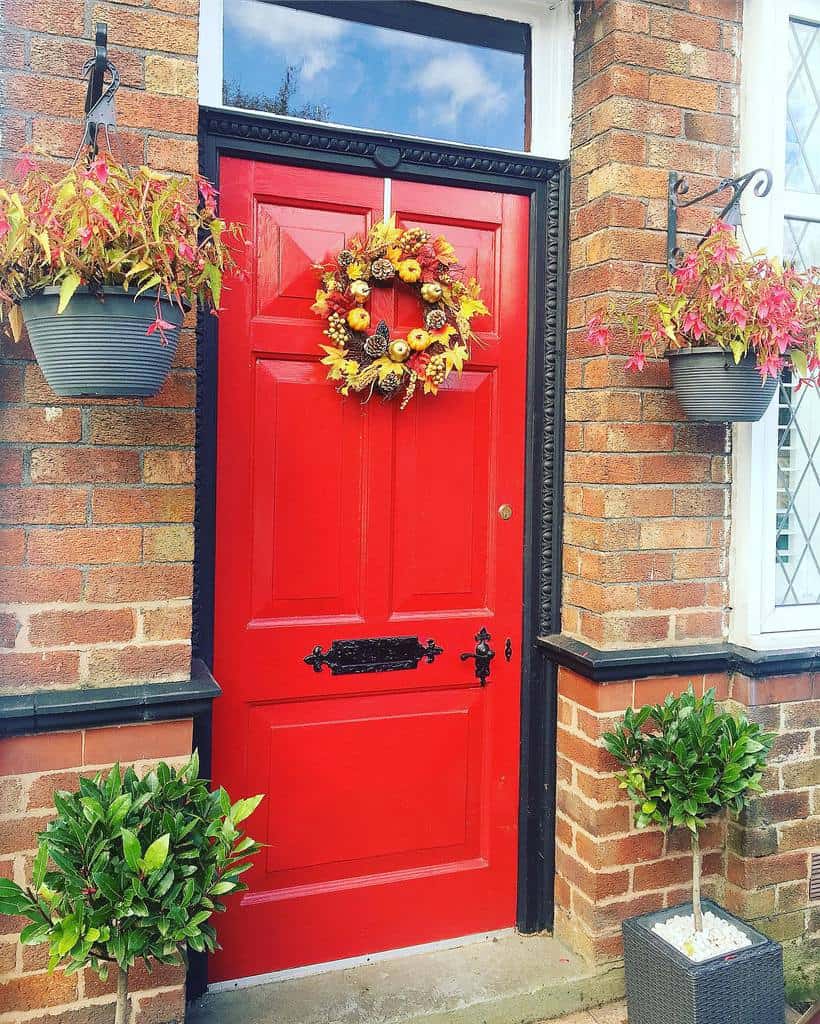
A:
712,388
665,987
99,347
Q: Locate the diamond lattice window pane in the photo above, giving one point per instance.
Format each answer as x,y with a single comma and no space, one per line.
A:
797,545
801,242
803,108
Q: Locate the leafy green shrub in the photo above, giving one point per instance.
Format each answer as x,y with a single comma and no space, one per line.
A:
685,761
139,867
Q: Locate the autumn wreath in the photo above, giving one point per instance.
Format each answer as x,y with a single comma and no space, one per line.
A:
367,360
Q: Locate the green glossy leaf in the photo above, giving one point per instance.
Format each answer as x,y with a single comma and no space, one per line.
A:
131,849
156,854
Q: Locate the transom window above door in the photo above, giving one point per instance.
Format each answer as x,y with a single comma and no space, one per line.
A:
408,68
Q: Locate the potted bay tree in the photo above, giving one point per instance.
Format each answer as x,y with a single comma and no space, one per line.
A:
729,324
684,762
101,265
133,869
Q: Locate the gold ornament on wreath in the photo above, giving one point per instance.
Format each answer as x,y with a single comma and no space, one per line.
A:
366,358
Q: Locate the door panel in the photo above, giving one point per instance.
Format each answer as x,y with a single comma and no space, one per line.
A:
392,796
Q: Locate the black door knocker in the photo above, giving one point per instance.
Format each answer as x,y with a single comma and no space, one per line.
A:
483,655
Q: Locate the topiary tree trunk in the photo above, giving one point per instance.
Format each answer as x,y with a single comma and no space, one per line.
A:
696,869
121,1016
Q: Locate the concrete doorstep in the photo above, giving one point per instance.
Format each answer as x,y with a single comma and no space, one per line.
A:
512,979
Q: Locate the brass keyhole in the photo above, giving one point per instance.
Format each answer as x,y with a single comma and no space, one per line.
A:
505,511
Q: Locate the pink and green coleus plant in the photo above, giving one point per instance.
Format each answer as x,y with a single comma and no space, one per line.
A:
102,225
718,296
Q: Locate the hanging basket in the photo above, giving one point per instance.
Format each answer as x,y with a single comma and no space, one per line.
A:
99,347
712,388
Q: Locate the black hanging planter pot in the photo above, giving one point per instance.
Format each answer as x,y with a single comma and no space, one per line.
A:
98,347
663,986
713,388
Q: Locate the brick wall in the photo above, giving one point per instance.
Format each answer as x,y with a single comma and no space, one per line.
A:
606,871
96,497
647,493
757,866
31,768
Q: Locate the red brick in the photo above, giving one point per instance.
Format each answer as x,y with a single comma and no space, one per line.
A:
85,546
596,696
178,155
26,423
597,885
22,584
62,57
23,671
13,49
633,849
168,467
67,627
678,91
599,821
160,1008
42,505
167,623
145,30
143,505
11,466
85,465
44,15
686,29
138,583
12,546
140,426
20,755
9,628
38,990
138,742
757,872
586,754
42,789
141,663
18,834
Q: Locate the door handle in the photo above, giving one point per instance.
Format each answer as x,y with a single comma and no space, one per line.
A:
482,655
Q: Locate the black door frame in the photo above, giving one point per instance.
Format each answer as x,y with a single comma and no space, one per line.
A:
546,182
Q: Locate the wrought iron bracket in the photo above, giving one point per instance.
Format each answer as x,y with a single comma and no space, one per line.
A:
679,187
373,654
482,655
100,112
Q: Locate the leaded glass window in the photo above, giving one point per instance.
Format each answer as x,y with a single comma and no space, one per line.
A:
797,538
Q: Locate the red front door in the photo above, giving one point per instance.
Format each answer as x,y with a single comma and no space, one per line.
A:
391,796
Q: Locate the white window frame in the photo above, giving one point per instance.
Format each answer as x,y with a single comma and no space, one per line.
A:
756,620
552,31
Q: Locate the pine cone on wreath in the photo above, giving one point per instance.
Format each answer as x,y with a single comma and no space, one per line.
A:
376,344
382,270
435,320
345,258
389,386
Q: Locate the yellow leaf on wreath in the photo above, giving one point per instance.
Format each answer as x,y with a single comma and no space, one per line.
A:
429,387
395,255
470,307
356,269
444,250
384,233
320,306
454,358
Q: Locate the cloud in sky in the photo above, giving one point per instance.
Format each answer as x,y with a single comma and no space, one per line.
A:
455,83
311,38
